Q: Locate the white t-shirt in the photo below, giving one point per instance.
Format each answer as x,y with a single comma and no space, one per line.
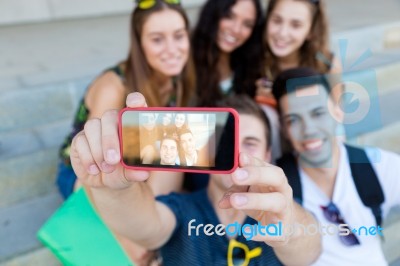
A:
190,162
226,85
353,211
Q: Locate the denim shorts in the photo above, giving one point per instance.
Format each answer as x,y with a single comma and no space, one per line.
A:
65,179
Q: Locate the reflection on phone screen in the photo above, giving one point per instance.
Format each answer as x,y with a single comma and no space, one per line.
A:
181,140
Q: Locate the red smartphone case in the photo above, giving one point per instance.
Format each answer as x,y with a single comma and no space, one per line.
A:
182,109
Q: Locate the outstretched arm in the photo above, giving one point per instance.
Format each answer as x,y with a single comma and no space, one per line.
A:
124,201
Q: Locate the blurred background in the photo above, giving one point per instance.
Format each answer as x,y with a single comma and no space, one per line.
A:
50,50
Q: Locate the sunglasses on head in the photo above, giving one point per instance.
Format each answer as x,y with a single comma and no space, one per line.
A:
146,4
332,214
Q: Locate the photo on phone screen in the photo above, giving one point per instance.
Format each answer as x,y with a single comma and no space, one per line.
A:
181,140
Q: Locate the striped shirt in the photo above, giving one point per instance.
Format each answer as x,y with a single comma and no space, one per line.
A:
182,249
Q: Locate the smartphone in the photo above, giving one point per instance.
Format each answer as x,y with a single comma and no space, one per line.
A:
200,140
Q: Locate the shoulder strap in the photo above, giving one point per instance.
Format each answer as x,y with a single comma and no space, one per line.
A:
117,70
289,165
364,176
366,181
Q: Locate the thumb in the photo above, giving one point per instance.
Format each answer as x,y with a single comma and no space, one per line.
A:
225,202
135,100
136,176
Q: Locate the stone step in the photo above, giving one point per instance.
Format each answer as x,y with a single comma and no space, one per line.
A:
61,51
39,257
40,105
390,134
25,141
390,246
27,176
388,77
377,38
17,12
380,115
88,47
19,224
386,66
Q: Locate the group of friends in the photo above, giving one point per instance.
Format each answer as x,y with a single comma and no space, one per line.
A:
169,143
271,67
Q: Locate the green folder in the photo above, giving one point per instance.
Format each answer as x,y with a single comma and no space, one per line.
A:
77,235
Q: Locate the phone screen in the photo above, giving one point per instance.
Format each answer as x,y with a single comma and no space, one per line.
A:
182,140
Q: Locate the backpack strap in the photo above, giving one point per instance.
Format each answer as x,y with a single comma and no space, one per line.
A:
288,164
366,181
364,176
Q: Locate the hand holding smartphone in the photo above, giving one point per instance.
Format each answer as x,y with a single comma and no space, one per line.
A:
203,140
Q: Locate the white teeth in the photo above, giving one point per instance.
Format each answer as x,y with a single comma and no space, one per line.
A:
313,145
280,44
230,38
171,61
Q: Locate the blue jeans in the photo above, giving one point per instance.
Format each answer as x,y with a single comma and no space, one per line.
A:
65,179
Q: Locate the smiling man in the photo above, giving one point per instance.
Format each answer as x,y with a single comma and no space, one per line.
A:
168,151
340,184
191,155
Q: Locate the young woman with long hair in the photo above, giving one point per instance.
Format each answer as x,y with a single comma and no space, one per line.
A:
227,49
158,66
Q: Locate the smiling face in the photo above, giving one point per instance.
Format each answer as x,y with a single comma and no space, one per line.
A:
252,141
179,120
235,29
166,119
149,121
165,42
252,137
168,152
309,124
287,30
188,143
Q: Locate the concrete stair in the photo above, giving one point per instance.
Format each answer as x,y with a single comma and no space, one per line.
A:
382,66
392,237
31,131
41,84
19,224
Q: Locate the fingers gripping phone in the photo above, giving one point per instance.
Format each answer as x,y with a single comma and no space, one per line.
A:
202,140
